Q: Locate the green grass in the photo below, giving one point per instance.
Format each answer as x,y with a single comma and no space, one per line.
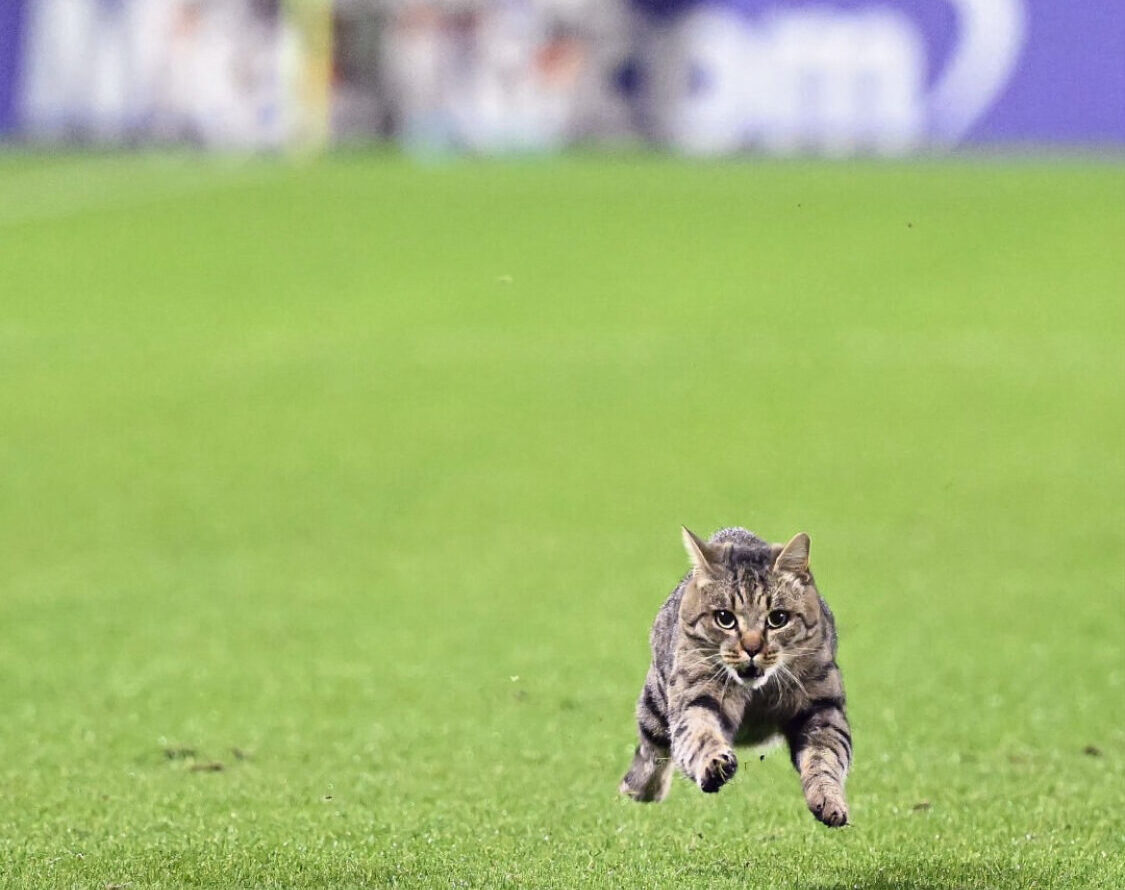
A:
375,473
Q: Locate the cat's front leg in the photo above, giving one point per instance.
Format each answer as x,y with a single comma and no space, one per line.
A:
820,743
702,734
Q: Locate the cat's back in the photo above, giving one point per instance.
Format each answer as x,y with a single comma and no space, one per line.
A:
664,628
737,535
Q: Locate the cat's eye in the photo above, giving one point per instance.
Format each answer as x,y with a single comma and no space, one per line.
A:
777,618
725,619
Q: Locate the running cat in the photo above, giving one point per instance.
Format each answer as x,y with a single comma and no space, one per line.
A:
743,649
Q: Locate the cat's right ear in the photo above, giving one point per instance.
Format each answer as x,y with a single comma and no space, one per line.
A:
704,559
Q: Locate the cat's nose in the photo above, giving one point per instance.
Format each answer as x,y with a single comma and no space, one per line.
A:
752,642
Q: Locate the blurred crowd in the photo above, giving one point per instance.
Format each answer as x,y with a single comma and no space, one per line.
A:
835,77
178,70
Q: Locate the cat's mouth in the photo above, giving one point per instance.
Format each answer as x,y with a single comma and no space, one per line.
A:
752,675
748,673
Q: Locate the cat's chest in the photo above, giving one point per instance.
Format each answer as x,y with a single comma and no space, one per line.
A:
760,723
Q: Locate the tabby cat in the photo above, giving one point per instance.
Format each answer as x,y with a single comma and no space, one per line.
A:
744,649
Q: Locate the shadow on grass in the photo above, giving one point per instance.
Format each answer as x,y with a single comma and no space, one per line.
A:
901,875
898,874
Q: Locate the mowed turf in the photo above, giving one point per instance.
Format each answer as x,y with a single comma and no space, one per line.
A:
337,500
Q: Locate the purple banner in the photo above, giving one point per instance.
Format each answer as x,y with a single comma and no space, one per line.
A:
882,75
11,33
1069,85
831,77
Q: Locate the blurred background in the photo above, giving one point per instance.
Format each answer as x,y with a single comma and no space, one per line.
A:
831,77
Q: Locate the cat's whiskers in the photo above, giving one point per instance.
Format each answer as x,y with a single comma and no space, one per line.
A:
783,670
723,668
798,650
725,674
713,660
784,685
723,680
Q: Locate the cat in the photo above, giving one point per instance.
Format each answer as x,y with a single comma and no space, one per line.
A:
743,650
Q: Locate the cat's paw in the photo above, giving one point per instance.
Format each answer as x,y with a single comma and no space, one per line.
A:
829,807
718,770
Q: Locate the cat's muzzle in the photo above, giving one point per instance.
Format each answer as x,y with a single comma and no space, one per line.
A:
749,671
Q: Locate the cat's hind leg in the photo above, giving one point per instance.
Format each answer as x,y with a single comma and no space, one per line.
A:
649,775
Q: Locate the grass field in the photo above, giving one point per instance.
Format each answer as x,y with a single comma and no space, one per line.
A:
364,480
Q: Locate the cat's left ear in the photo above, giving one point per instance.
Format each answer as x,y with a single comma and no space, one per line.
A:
794,556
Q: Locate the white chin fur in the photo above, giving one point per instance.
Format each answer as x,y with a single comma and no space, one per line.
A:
756,683
759,682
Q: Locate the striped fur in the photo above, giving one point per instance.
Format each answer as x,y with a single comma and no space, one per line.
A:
774,672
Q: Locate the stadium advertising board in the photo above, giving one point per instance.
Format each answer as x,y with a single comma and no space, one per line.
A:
883,75
834,77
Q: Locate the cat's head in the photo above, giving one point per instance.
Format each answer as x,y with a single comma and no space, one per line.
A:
751,609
